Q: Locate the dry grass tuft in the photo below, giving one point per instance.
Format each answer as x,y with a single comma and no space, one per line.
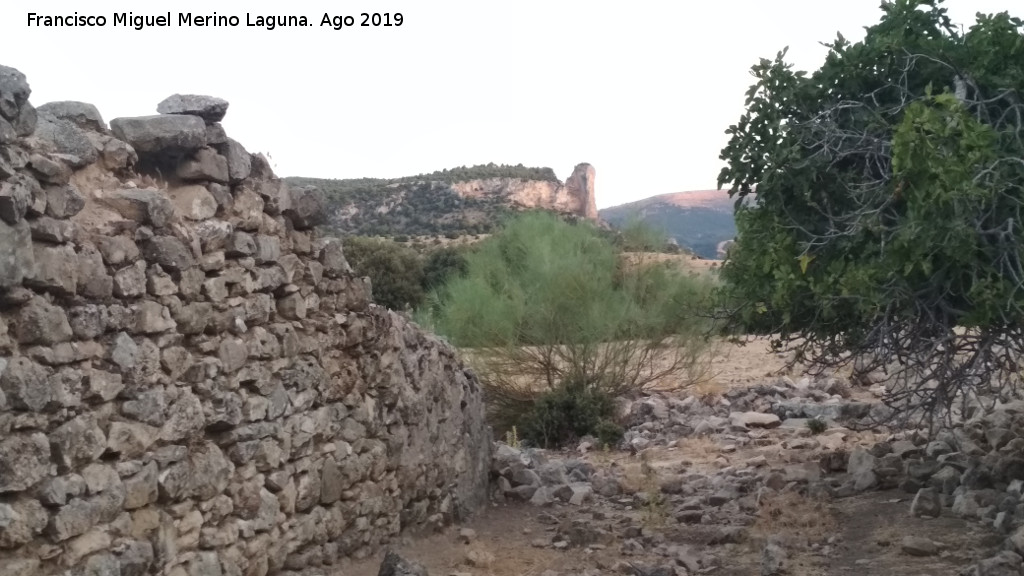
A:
699,448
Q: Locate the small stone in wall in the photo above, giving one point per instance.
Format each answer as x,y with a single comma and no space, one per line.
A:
78,442
15,197
168,252
144,206
63,201
19,263
20,521
49,170
194,202
40,322
206,164
8,135
24,461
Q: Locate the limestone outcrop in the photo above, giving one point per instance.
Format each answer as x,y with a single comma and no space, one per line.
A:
576,196
580,187
192,381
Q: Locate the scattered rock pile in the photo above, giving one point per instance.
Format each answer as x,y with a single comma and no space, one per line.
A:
660,419
530,476
974,470
192,382
648,514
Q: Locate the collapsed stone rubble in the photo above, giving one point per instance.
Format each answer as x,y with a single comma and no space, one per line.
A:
974,470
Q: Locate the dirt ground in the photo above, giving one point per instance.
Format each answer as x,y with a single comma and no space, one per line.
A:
857,535
866,534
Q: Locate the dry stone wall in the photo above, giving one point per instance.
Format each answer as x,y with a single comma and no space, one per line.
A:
192,382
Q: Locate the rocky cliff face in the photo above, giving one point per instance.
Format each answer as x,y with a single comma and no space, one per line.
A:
456,202
575,197
192,382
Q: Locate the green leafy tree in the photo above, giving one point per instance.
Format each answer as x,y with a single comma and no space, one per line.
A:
557,325
443,264
395,270
887,228
636,235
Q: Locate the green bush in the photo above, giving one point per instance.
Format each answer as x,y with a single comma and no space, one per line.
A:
568,413
816,425
548,307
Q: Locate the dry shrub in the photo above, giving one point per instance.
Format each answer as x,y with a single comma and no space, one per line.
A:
709,391
793,514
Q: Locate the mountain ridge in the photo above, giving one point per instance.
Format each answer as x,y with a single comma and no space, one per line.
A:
701,220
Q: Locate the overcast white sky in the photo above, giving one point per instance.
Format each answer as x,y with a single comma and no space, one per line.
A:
642,90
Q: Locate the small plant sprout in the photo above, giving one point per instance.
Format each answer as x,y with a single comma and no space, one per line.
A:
816,425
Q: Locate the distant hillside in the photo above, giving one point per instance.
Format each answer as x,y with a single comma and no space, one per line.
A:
699,220
452,202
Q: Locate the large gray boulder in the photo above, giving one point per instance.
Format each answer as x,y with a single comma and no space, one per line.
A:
209,108
81,114
239,160
68,139
14,91
307,207
161,133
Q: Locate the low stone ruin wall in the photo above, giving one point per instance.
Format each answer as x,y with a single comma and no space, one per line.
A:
192,382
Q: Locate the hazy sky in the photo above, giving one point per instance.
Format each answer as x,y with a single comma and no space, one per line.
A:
642,90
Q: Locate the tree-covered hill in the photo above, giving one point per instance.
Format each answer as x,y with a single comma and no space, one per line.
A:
422,205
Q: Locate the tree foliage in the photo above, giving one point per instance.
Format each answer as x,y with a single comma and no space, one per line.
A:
888,223
395,270
637,235
401,276
549,313
443,264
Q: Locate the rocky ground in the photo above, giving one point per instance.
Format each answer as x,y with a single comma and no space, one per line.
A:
731,480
